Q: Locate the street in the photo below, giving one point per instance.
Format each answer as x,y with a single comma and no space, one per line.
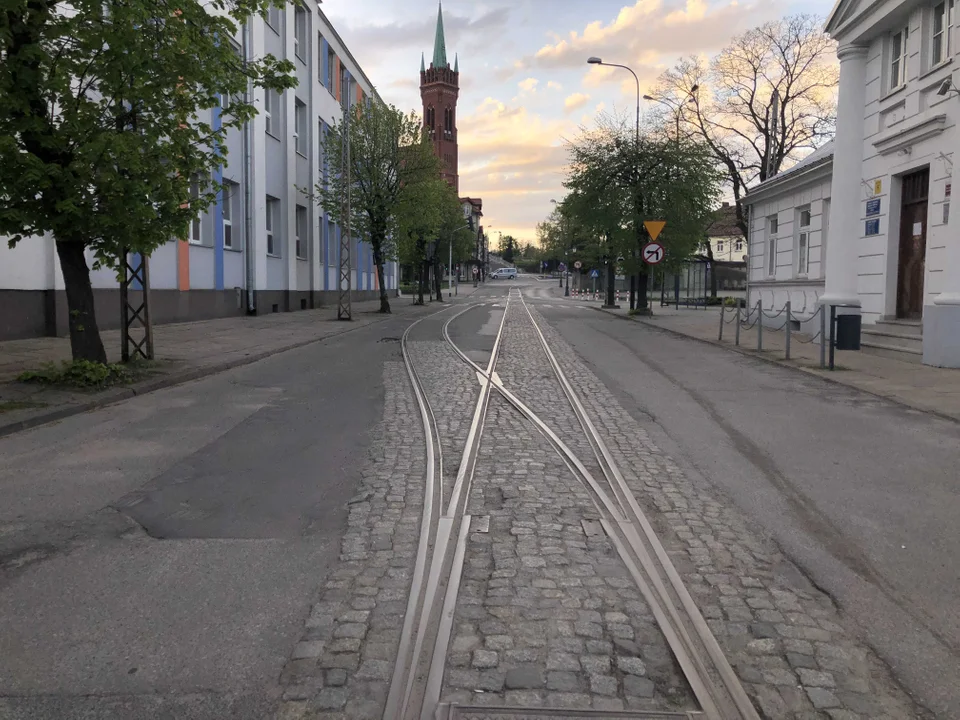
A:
511,500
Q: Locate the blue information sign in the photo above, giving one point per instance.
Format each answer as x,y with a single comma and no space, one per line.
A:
872,227
594,273
873,207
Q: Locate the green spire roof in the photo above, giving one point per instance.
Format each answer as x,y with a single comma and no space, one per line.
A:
423,67
456,62
439,44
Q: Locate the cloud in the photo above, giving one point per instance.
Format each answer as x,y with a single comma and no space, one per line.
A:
552,85
575,101
528,85
642,33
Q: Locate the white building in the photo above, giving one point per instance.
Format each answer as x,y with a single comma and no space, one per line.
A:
263,247
894,253
789,220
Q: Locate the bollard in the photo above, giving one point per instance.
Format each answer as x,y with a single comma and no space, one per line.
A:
833,324
736,340
723,312
760,325
787,326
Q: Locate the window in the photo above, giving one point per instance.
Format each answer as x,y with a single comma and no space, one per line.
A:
719,246
331,62
195,225
320,57
300,32
898,59
803,242
231,193
942,27
773,225
739,245
272,216
301,218
344,87
271,111
300,127
273,18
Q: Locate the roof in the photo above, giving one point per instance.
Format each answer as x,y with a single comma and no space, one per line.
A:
819,157
725,223
439,43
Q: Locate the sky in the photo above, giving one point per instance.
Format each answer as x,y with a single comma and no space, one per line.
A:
525,87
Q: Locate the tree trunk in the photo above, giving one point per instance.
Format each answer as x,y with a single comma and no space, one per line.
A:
384,298
642,285
85,342
633,291
711,269
611,283
438,282
420,282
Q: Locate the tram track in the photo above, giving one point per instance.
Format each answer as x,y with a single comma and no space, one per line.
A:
417,684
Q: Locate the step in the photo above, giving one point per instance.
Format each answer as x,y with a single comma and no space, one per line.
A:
892,338
906,327
893,352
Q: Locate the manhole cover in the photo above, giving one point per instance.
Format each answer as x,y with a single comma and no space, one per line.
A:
471,712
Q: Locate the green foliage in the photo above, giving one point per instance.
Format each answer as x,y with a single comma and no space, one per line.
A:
615,184
106,115
393,179
79,374
508,247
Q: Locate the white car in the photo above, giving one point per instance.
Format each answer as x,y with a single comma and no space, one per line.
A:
504,274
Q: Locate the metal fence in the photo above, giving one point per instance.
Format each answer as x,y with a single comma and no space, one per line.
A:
741,317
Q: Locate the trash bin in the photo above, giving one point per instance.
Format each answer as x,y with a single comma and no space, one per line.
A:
848,332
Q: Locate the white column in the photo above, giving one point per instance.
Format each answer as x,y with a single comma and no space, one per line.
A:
941,321
843,245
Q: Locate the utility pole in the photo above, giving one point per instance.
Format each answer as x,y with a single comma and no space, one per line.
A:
774,122
344,306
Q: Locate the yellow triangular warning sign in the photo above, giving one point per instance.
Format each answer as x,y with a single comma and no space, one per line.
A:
655,227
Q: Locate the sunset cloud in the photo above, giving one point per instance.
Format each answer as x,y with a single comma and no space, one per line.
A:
575,101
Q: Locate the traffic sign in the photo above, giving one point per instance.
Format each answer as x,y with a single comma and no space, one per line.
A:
578,264
594,273
562,267
654,228
653,253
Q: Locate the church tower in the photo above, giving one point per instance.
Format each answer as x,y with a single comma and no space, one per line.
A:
439,90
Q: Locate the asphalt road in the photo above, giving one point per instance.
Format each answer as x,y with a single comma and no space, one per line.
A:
158,557
859,492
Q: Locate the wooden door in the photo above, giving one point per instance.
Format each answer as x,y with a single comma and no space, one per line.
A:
913,245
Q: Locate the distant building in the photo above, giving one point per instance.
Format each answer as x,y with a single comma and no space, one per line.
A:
263,247
439,93
725,237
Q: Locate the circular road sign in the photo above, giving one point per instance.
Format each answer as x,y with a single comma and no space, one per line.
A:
578,264
653,253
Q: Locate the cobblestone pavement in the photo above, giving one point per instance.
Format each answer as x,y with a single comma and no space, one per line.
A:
341,667
547,614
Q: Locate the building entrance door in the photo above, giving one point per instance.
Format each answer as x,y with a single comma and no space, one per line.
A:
913,244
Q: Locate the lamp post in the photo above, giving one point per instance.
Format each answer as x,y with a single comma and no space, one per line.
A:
675,108
561,233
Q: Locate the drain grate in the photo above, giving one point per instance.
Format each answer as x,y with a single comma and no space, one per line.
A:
476,712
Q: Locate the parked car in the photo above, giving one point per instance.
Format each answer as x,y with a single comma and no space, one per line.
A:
504,274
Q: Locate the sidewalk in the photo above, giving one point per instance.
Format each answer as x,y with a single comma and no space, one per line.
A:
933,390
185,351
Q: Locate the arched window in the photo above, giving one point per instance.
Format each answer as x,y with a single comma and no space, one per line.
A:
448,120
430,118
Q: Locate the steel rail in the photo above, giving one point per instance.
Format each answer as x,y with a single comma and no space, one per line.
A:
443,575
426,519
737,704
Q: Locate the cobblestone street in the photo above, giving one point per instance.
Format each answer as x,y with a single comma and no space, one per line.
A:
546,613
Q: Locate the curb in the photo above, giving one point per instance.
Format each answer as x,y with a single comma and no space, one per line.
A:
784,364
117,395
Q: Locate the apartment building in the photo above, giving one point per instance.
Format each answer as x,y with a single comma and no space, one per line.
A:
264,246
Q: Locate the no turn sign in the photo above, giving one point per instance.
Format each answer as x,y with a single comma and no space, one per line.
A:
653,253
578,264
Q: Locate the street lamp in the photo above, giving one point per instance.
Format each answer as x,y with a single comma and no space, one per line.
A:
597,61
561,232
690,99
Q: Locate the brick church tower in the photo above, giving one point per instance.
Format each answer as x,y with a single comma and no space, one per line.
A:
439,90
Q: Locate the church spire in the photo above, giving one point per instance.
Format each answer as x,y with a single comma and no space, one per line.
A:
423,66
439,43
456,63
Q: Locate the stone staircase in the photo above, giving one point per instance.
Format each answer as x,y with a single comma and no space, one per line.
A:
897,339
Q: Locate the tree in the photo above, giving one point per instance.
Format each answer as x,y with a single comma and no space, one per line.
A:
616,185
731,108
508,245
105,124
392,167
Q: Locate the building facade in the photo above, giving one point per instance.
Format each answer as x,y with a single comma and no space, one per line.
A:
264,246
894,252
439,92
789,226
727,243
